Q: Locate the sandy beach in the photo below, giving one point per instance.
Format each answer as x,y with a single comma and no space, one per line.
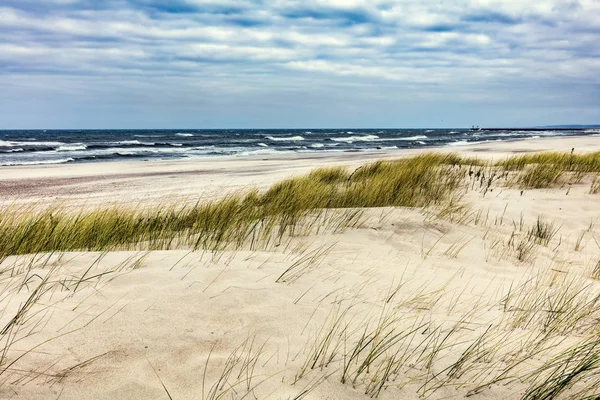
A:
460,300
151,182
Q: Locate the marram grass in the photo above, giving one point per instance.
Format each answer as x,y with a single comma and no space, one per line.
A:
236,219
544,170
419,181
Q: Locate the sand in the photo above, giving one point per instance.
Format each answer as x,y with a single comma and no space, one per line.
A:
152,182
199,325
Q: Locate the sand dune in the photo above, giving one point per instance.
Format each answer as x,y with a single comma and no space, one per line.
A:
406,304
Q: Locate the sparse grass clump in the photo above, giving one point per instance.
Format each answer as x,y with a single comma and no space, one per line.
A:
543,231
595,186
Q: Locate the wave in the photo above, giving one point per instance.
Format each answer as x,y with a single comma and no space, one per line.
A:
138,152
317,145
420,142
184,134
259,152
453,132
429,131
410,138
591,131
263,145
72,147
150,150
38,162
17,150
458,143
130,143
351,139
285,139
4,143
166,144
147,136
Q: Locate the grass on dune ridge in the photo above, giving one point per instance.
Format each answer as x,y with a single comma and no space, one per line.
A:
543,170
236,219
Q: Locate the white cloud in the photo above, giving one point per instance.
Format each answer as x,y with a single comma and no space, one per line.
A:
444,46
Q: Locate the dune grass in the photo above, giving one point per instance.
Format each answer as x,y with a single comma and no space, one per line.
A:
589,162
543,170
424,180
236,219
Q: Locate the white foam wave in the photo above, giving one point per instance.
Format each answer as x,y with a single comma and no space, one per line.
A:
429,131
72,147
263,145
38,162
452,132
135,142
167,150
317,145
458,143
410,138
128,142
184,134
351,139
420,142
262,152
285,139
592,131
4,143
18,150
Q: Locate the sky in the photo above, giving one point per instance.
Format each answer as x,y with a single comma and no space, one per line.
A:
298,63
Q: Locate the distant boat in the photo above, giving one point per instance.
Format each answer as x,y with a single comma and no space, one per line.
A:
475,128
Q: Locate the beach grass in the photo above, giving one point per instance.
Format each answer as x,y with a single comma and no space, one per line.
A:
544,170
419,181
235,219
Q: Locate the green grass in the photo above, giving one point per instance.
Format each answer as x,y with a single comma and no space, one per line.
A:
237,219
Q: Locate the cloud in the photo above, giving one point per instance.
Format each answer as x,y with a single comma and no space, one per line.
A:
470,52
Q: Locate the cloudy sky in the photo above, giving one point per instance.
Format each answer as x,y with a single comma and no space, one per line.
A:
298,63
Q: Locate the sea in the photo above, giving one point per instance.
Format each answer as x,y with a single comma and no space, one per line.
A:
38,147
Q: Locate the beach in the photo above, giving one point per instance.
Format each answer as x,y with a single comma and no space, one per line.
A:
206,178
482,294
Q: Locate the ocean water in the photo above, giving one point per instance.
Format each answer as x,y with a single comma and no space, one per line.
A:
37,147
